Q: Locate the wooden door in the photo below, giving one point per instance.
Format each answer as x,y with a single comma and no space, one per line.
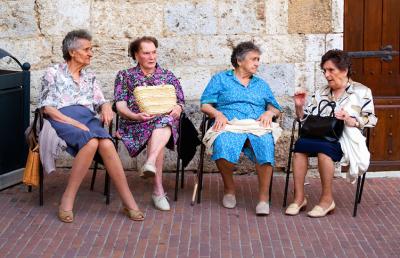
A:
368,26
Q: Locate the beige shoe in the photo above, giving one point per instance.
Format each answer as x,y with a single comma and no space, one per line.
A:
161,202
294,209
318,211
148,170
262,208
229,201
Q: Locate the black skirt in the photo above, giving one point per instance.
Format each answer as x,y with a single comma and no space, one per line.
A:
314,146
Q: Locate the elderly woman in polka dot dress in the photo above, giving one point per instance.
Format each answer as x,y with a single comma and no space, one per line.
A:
240,94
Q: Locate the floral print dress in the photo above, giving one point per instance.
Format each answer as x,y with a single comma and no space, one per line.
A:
135,134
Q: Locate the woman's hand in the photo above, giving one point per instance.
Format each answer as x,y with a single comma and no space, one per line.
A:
348,120
80,126
266,118
107,114
143,117
220,121
300,97
176,111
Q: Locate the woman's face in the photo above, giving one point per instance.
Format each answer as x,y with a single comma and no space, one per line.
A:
336,78
250,62
147,55
83,53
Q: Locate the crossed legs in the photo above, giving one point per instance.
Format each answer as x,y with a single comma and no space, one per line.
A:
155,155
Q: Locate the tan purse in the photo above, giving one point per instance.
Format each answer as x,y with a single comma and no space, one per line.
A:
31,172
155,100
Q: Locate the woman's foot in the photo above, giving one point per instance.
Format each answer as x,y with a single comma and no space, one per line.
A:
319,211
135,215
294,209
229,201
262,208
161,202
65,216
148,170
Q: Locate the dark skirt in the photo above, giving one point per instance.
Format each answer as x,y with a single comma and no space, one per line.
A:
314,146
74,137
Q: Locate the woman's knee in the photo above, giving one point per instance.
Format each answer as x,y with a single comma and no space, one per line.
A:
92,143
106,144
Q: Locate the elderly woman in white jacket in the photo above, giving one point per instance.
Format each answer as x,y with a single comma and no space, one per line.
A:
354,105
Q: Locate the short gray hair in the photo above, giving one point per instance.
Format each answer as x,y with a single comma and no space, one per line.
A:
70,42
240,51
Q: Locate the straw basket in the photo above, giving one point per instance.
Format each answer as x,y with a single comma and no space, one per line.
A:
155,100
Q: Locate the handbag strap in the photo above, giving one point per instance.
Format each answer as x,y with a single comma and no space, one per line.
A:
331,104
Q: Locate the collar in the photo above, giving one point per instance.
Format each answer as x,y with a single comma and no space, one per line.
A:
64,68
140,71
326,91
231,73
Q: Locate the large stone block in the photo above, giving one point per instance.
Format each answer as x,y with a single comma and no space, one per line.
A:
241,16
217,50
36,51
305,76
337,16
276,17
314,47
18,19
128,19
111,54
180,50
185,18
280,77
57,17
193,80
309,16
334,41
281,48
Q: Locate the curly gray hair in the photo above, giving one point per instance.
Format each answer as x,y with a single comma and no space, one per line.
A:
70,42
240,51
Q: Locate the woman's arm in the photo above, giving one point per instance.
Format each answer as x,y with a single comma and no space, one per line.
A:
125,112
56,115
220,119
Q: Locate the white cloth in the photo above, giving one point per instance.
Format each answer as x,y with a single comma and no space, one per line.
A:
241,126
355,151
50,147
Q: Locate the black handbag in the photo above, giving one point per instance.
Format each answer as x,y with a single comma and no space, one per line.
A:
323,127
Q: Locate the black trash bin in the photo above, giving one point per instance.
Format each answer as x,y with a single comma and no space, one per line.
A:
14,119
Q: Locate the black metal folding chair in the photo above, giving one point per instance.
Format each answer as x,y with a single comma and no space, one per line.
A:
294,136
39,119
204,126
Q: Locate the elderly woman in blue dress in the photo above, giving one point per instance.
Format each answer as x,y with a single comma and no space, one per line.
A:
70,96
240,94
354,105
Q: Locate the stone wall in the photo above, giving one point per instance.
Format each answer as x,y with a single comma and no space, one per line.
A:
196,38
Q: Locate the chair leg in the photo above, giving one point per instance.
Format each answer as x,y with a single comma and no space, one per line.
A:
30,188
286,188
200,175
270,188
107,187
362,187
96,164
177,178
357,196
183,176
40,184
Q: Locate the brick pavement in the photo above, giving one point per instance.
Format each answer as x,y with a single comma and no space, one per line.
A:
205,230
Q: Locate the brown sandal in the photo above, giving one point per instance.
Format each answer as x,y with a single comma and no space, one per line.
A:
135,215
65,216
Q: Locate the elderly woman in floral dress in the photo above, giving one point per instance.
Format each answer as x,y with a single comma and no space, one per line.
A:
138,129
70,97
